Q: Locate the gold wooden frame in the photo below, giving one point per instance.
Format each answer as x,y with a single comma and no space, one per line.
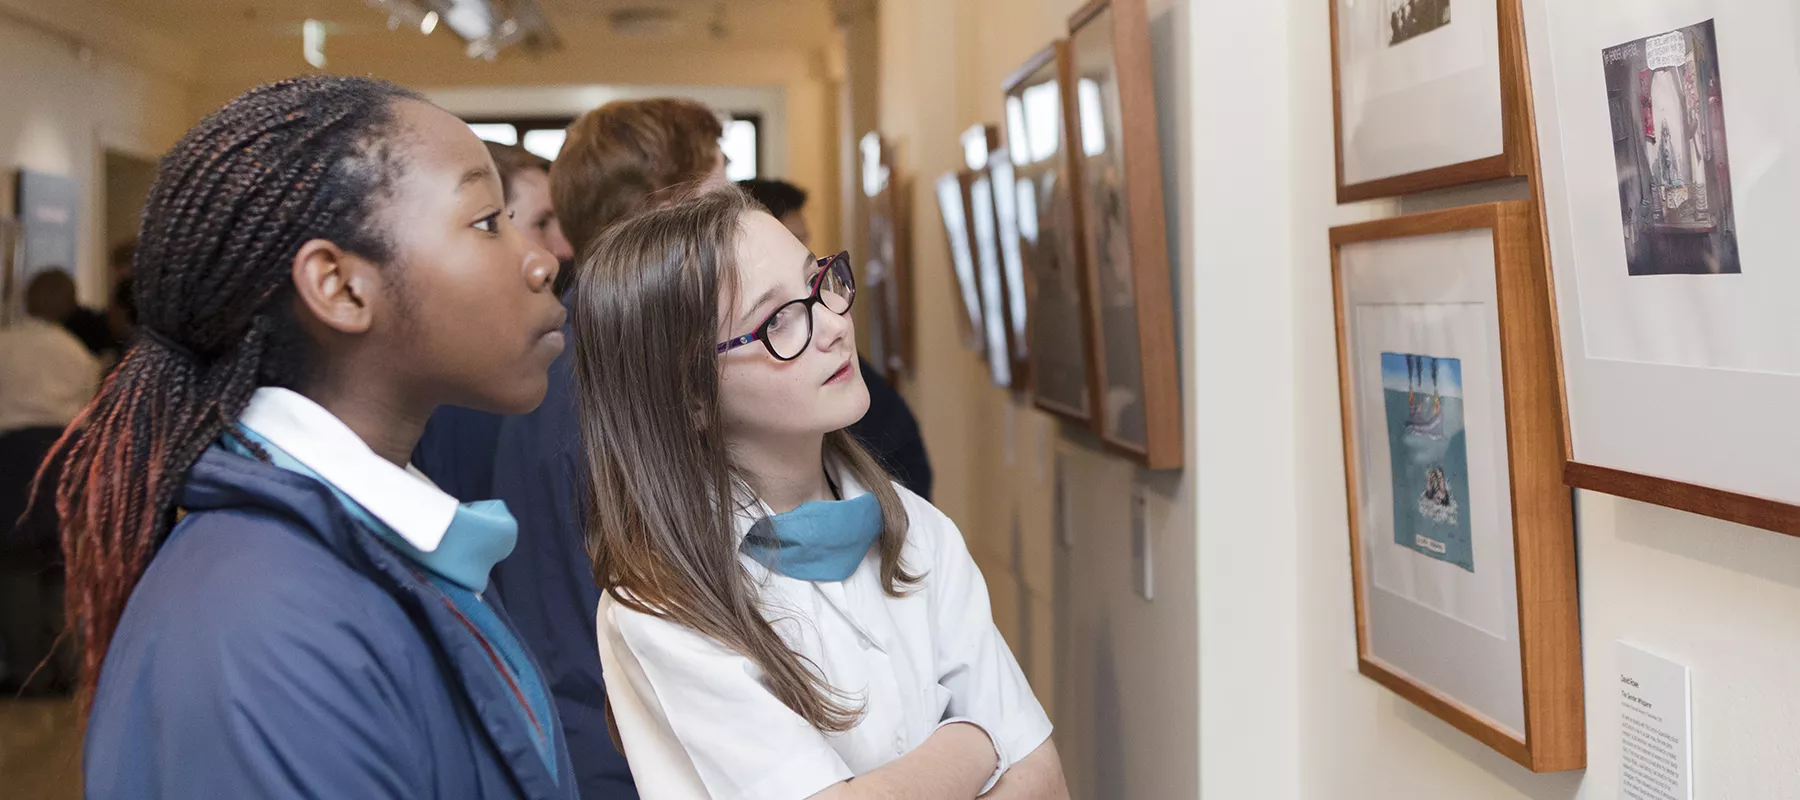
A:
1148,239
1518,154
891,205
1543,517
1058,57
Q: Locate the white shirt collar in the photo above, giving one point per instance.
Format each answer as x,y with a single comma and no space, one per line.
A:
403,499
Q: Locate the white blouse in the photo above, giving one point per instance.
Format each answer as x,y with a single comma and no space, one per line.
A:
697,720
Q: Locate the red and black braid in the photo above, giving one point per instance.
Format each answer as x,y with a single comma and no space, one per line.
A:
306,158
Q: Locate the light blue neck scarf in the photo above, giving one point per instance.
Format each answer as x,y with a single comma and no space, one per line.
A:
823,541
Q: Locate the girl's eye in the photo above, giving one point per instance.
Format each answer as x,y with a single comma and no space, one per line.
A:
489,223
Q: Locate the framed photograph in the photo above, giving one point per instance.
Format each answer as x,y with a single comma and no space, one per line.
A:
1670,198
1062,376
1123,232
887,268
1462,540
953,196
979,144
1428,94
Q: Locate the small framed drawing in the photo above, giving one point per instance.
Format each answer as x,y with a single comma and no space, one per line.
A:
887,269
979,143
953,206
1059,331
1123,232
1671,198
1428,94
1462,542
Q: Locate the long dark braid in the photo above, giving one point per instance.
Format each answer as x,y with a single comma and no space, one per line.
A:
302,159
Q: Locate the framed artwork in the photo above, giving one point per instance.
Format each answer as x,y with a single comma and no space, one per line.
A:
1428,94
1123,232
1059,331
979,143
12,288
49,208
887,268
1462,539
954,206
1670,200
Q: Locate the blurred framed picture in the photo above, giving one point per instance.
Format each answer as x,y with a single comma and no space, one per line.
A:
1428,94
953,198
887,269
1123,232
1462,538
1059,332
992,222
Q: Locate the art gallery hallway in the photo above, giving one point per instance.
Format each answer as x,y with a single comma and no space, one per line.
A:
1196,565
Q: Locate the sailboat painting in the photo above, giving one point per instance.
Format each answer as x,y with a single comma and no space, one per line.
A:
1430,455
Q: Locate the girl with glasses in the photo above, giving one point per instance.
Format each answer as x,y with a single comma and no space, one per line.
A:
778,619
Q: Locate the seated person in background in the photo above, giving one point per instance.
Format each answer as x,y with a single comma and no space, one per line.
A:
457,450
889,430
46,377
51,296
780,619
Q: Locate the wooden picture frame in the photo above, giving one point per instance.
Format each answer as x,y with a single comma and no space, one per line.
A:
1062,374
888,267
1124,234
987,231
1690,306
1459,475
1495,140
952,190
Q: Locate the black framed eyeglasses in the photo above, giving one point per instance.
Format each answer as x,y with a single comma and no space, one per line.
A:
788,331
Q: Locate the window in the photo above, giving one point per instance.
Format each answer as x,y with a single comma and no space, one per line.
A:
542,136
741,142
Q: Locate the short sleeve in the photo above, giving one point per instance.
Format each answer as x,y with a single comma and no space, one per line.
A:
697,720
973,661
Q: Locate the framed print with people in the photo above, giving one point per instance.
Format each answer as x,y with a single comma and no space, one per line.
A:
1124,235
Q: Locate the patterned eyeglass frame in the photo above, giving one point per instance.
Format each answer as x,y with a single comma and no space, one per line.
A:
826,264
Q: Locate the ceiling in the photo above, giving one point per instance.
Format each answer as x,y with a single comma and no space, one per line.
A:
223,27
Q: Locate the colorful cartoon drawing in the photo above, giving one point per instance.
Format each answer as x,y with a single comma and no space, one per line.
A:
1429,455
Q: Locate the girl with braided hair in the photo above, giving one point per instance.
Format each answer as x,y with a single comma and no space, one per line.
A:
271,602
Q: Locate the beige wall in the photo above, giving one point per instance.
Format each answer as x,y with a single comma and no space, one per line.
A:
69,98
1116,672
810,152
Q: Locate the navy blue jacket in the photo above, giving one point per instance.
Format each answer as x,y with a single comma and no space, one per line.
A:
548,581
277,648
457,452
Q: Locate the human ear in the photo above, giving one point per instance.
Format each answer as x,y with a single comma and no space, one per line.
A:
335,286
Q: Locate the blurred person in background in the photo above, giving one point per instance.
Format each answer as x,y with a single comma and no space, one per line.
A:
457,450
618,160
46,376
889,430
51,296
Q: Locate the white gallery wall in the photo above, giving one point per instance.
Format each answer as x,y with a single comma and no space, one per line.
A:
1719,598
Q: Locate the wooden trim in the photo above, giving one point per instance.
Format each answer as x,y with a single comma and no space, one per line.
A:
1057,57
968,326
1042,58
1517,156
1163,446
1543,515
1482,169
1087,13
1459,716
1743,509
